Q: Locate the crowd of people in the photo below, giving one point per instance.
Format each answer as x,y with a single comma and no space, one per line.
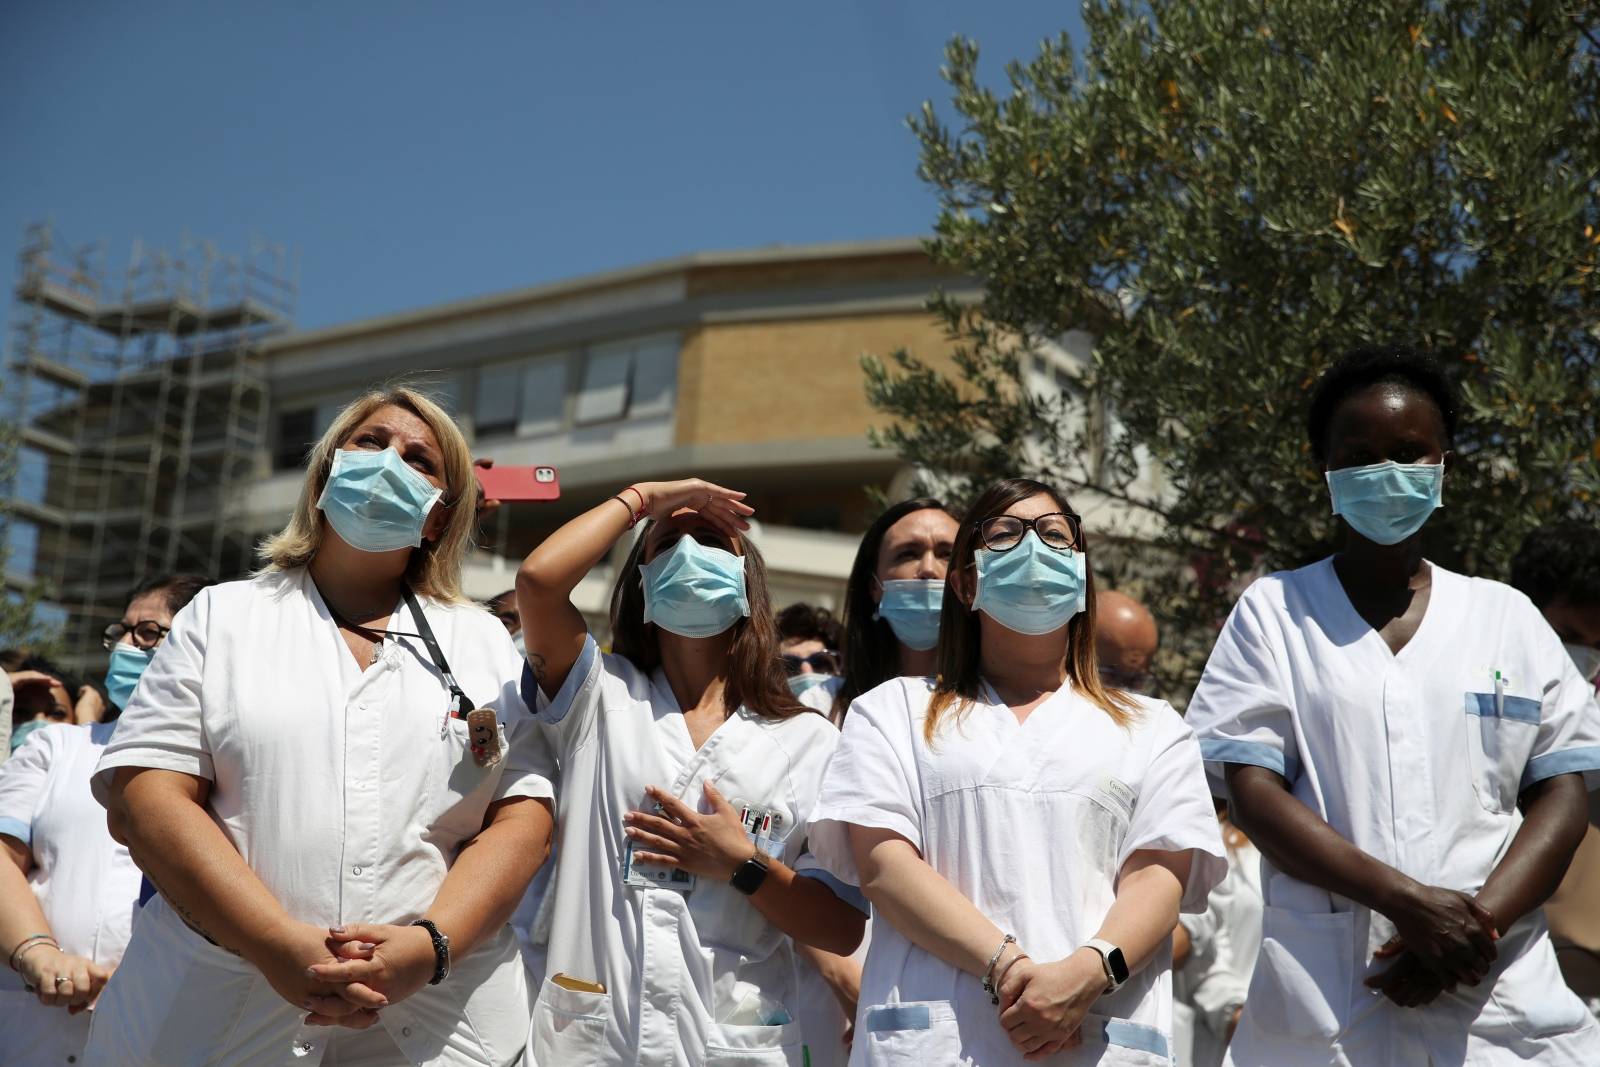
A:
336,813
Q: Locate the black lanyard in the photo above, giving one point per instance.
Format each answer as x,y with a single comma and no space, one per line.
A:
460,703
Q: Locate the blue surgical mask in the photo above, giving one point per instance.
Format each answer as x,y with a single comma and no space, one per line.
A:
122,674
694,590
1032,588
801,683
911,608
1386,502
375,502
20,734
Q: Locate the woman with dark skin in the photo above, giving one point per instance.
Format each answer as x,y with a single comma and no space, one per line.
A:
1332,708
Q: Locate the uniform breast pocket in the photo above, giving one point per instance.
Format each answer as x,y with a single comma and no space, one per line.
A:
461,787
569,1025
1501,729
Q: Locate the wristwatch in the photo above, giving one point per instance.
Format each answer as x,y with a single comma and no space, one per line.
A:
441,951
1111,960
749,875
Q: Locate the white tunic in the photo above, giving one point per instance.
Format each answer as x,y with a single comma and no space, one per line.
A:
1417,758
1223,943
348,794
86,883
690,979
1032,823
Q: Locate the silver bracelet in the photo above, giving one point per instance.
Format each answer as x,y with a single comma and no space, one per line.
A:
988,974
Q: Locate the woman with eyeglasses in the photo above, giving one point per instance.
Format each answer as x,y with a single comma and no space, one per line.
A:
68,891
688,772
328,774
1026,836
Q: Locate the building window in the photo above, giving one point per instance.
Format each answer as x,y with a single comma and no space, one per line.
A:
544,396
22,548
498,392
604,393
297,432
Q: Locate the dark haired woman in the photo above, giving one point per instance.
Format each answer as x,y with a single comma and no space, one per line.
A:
1407,747
688,775
891,624
1027,837
68,890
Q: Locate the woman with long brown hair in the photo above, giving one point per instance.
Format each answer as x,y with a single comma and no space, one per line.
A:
1026,836
688,773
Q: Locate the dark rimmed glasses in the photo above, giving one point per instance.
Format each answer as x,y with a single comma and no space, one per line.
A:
147,634
1061,530
820,662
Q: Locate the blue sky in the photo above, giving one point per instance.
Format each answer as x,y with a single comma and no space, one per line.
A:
414,153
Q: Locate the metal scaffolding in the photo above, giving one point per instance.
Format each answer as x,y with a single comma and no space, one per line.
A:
140,410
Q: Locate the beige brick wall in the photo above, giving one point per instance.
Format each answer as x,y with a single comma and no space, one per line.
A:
780,381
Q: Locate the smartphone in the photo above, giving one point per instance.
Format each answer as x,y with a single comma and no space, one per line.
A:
517,484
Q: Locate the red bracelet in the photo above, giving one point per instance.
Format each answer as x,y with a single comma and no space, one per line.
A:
642,512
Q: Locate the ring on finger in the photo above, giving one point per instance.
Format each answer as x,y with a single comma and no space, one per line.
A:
62,980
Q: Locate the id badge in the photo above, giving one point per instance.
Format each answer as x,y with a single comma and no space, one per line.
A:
655,875
483,733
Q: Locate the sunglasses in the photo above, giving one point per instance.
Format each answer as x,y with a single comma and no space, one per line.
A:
821,663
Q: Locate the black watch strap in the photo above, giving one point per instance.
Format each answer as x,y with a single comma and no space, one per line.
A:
749,875
441,951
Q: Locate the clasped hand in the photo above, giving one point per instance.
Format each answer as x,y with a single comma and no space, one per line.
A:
1042,1005
1443,938
343,976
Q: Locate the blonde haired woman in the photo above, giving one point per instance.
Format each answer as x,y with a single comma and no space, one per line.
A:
1025,835
338,837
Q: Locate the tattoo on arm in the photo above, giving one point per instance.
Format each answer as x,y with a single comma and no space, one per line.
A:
187,916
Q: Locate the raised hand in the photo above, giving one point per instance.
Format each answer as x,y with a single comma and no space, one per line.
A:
723,508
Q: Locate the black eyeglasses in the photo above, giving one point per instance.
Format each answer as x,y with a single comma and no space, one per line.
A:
821,663
147,633
1061,530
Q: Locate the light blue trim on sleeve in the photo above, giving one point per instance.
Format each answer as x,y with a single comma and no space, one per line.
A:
1254,753
24,831
843,890
1518,709
892,1017
561,703
1585,760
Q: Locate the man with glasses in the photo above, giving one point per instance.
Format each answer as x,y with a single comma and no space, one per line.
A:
808,641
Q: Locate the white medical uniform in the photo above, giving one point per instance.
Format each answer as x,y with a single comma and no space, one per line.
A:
348,793
86,883
822,1019
692,980
1417,760
1032,823
1223,943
